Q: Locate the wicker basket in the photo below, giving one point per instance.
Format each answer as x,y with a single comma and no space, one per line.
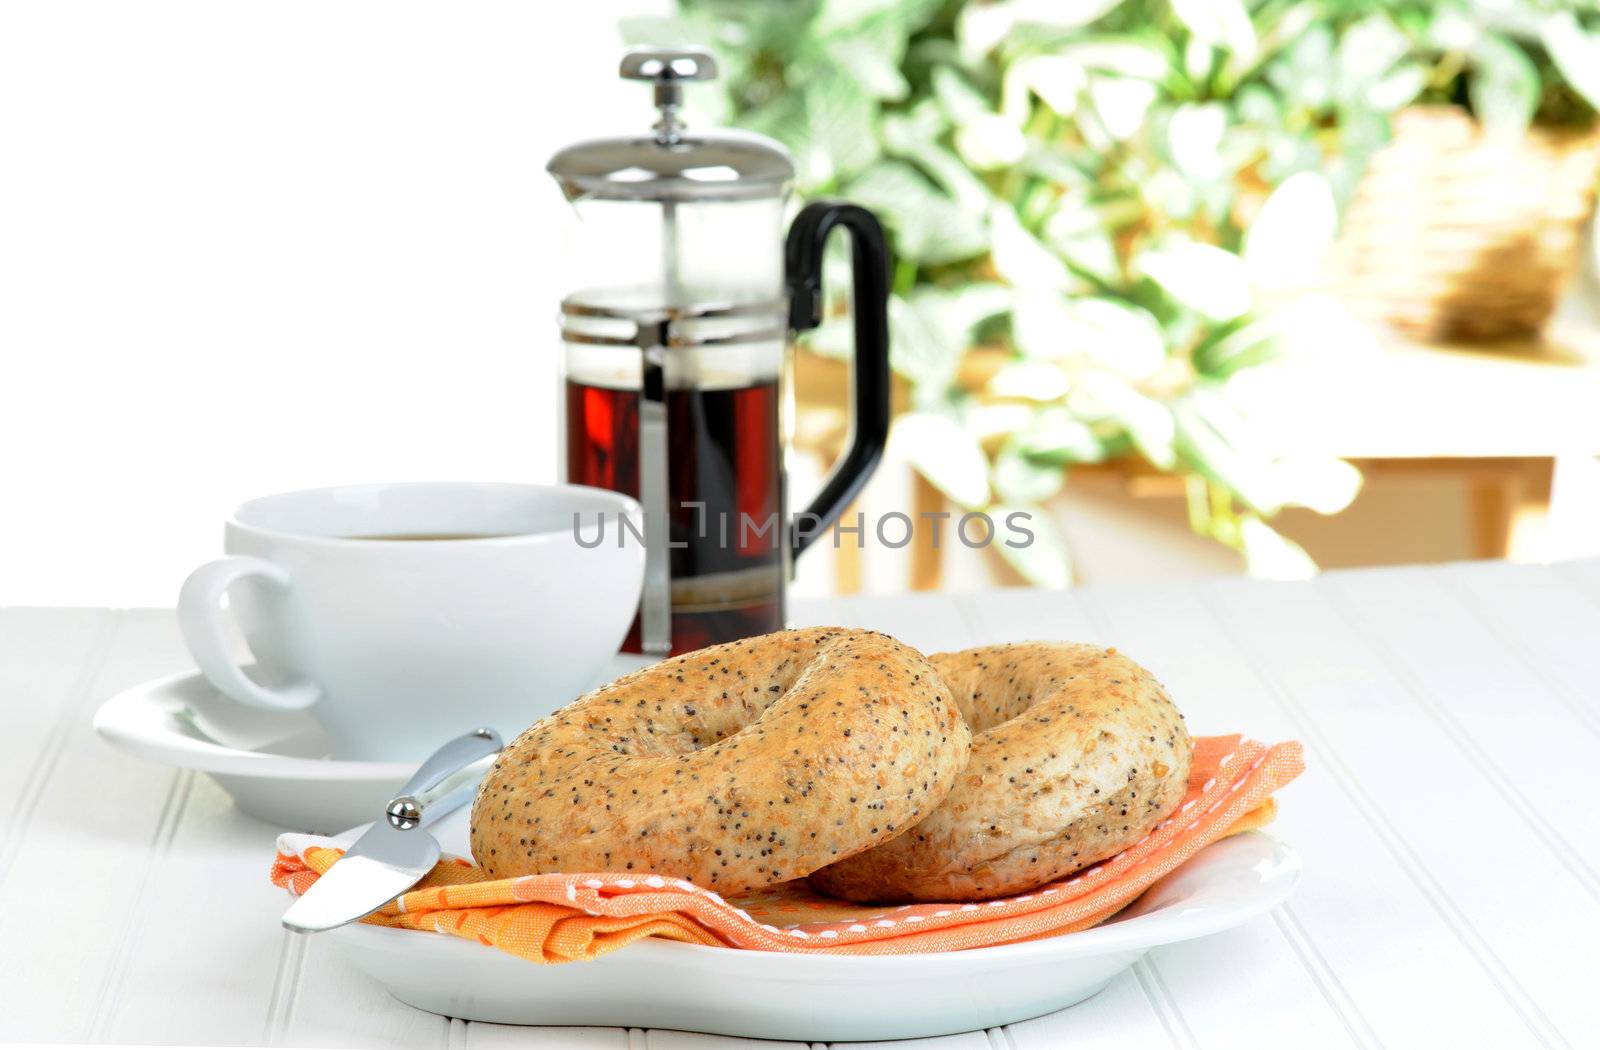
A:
1459,235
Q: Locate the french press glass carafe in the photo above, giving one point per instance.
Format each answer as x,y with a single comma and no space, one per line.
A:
674,348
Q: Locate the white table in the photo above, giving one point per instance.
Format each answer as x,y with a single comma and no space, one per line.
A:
1448,821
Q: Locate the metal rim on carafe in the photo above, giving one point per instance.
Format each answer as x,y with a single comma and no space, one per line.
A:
658,326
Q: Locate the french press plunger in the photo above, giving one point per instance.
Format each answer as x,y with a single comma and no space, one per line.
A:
674,347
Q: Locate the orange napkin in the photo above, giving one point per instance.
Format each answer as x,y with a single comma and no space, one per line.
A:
564,917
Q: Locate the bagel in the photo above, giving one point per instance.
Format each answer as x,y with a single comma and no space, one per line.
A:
737,766
1077,753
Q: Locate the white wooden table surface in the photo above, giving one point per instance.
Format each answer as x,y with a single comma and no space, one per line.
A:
1449,823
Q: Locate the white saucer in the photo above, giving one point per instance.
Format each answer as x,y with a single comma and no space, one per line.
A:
273,763
820,998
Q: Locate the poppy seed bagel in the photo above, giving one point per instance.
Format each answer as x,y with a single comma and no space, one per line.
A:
1077,752
737,766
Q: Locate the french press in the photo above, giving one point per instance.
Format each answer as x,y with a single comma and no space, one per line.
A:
674,345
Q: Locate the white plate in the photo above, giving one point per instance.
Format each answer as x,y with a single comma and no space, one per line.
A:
273,763
819,998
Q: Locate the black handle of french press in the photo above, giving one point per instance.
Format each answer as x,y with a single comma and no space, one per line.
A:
870,305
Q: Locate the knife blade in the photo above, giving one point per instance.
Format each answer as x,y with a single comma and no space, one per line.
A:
396,852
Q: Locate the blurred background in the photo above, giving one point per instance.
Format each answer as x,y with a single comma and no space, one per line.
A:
1206,286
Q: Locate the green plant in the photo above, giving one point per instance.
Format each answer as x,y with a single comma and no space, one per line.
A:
1118,195
1510,64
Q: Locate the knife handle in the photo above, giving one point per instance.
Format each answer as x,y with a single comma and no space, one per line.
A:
444,779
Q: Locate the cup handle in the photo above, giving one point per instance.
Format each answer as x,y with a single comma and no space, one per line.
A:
200,618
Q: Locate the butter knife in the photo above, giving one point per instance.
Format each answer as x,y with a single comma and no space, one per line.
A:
396,852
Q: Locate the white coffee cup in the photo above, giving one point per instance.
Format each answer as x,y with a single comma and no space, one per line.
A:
402,615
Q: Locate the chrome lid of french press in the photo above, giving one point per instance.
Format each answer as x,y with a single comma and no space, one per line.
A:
673,163
671,167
